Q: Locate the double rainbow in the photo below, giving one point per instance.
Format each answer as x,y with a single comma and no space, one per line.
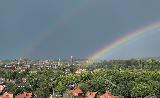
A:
122,40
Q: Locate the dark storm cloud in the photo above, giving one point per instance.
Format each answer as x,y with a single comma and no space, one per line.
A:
84,26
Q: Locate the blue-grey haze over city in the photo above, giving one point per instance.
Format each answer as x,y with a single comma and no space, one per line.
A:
52,29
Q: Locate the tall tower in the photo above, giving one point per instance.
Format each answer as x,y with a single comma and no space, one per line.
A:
71,60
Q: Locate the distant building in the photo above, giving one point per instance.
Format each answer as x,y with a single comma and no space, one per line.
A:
23,85
27,66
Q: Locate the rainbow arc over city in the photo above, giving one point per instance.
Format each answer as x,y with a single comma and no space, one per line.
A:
122,40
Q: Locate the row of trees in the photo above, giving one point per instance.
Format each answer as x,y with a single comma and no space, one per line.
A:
149,64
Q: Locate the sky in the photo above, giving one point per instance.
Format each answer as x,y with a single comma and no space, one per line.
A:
52,29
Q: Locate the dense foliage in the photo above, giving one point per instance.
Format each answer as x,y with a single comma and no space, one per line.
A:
117,78
127,83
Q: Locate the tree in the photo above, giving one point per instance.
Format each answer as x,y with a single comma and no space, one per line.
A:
84,87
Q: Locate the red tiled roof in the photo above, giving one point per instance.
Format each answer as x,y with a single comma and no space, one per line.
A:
91,94
76,92
24,94
107,95
7,95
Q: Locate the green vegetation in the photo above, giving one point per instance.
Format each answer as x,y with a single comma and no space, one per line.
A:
127,83
130,78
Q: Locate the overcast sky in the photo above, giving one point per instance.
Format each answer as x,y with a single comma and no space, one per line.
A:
51,29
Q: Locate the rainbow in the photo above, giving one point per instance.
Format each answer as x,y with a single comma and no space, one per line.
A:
60,23
122,40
